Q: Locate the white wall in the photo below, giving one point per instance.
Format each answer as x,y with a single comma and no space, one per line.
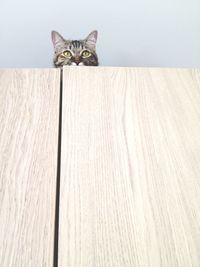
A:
131,32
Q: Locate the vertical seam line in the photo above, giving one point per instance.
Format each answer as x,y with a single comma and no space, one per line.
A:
57,200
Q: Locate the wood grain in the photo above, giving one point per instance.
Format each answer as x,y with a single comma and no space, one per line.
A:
130,169
29,112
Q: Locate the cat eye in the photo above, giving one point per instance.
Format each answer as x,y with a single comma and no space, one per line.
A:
86,54
67,54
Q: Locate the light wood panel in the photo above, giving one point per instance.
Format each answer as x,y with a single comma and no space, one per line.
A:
130,168
29,113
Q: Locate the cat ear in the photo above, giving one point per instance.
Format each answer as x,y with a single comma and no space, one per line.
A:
57,39
92,39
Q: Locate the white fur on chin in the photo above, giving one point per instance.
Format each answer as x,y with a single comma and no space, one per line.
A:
74,64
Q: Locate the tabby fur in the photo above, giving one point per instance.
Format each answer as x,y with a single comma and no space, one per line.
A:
75,52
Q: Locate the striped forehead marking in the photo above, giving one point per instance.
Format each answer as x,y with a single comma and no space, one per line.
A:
76,44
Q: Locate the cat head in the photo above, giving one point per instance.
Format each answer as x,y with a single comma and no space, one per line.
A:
75,52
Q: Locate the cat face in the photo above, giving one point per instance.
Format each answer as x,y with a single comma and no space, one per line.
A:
73,52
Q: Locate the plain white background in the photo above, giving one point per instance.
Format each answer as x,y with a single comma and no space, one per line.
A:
150,33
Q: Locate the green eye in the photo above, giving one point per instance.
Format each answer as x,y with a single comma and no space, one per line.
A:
86,54
67,54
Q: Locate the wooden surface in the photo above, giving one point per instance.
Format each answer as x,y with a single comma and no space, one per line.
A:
130,168
29,108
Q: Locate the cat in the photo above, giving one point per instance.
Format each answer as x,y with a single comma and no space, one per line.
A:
75,52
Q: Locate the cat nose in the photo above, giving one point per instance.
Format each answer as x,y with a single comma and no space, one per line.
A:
77,60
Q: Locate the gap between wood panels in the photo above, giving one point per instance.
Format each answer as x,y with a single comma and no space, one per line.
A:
57,204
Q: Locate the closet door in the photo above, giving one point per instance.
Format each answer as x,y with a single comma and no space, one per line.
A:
130,167
29,117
